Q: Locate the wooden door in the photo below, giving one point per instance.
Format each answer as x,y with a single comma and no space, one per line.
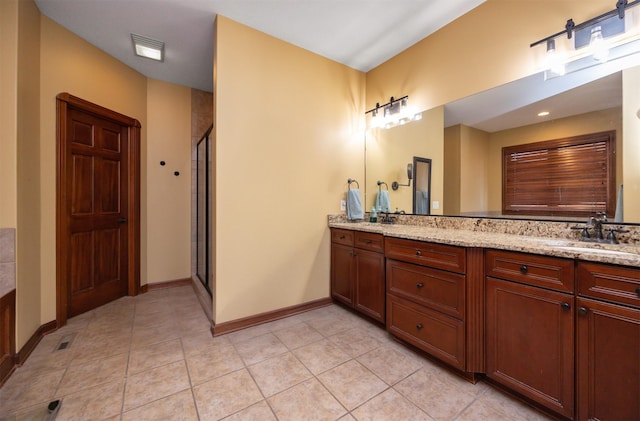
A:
369,284
342,273
530,342
97,209
608,361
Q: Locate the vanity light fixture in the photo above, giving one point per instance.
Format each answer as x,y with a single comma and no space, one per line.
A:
147,47
393,113
608,36
543,113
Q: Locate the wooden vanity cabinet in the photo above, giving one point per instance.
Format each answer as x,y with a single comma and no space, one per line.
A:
426,297
530,327
608,342
357,271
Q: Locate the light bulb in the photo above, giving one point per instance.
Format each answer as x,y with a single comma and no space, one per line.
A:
555,60
597,44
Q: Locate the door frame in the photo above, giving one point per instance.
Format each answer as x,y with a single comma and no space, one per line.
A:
65,102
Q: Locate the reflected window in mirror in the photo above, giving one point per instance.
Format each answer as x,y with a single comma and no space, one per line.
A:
421,186
564,177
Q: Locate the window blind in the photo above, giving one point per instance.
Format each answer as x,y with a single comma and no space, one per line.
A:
563,177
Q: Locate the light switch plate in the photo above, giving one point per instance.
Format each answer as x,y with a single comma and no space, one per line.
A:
343,205
436,204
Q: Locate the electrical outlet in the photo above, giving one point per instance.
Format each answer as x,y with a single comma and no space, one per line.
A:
343,205
436,204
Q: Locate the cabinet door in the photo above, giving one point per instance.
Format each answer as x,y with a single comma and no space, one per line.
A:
369,284
342,272
530,340
608,358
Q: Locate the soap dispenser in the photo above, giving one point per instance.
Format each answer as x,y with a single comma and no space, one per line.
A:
373,216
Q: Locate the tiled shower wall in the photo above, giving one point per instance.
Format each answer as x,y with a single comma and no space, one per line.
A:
7,260
201,119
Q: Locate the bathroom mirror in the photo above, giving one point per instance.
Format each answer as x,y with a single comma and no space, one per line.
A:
421,186
470,164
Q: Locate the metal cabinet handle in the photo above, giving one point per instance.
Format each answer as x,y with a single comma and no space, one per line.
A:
122,220
565,306
419,326
583,311
368,242
524,269
418,253
419,285
342,237
638,291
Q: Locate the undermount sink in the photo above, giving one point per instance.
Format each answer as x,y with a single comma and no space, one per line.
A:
571,246
595,250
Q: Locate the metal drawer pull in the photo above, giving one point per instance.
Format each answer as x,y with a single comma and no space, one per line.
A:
524,269
565,306
638,291
419,326
368,242
418,253
342,237
419,285
583,311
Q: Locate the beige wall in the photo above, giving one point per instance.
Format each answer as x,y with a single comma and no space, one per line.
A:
594,122
466,170
452,145
8,112
290,133
487,47
168,196
29,205
474,168
631,143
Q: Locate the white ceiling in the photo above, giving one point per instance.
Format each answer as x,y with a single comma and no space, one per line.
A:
358,33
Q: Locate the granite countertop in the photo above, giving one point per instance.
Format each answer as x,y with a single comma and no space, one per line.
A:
620,254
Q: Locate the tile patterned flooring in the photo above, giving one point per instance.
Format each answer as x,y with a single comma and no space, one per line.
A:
152,357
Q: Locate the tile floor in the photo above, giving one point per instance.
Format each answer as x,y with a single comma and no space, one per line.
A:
152,357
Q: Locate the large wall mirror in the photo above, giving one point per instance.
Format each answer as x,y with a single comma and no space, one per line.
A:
465,138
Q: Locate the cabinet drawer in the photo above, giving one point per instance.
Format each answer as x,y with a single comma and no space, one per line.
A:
437,289
369,241
439,256
433,332
611,283
543,271
341,236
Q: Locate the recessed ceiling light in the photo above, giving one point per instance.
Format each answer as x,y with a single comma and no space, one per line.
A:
148,47
543,113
